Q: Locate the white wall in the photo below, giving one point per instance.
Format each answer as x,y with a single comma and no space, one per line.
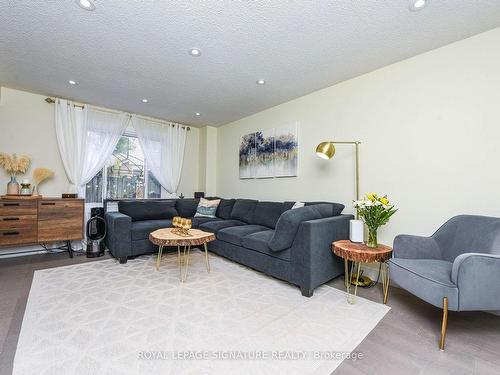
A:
430,128
27,126
208,160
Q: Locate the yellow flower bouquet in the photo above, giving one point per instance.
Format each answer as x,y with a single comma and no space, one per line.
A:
376,211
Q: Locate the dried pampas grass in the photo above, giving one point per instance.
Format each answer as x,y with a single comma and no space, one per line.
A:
41,174
14,165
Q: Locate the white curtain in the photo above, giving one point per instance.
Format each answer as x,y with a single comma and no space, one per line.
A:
163,147
86,138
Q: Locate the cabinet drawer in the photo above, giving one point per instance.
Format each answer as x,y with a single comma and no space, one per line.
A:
60,220
18,236
16,208
59,209
17,222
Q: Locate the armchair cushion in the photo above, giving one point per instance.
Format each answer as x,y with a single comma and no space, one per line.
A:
428,279
476,274
415,247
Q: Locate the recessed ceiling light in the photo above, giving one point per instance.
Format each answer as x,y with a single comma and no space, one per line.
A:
418,4
260,82
195,52
198,114
71,82
86,4
145,100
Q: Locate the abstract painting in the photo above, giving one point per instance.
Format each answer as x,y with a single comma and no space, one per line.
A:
247,156
269,153
264,154
286,151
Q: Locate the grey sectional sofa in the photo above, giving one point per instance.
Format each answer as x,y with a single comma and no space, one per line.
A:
292,245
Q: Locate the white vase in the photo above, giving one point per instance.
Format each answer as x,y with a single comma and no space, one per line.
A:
13,186
356,230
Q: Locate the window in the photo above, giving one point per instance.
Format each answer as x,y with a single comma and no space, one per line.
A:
125,175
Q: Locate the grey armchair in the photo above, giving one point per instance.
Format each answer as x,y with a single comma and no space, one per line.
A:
457,268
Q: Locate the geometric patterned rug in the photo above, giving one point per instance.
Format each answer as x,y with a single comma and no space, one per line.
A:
108,319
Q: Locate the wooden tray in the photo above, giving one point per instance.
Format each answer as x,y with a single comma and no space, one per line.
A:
19,196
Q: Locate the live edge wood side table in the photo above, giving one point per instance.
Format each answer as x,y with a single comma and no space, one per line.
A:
165,237
360,253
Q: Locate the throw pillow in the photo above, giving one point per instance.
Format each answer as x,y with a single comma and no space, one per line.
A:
298,205
207,208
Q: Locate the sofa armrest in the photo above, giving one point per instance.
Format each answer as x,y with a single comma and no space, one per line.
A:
476,275
312,258
415,247
118,236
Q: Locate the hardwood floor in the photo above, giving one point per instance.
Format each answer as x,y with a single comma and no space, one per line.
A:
404,342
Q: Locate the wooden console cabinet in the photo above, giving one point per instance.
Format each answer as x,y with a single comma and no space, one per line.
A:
40,221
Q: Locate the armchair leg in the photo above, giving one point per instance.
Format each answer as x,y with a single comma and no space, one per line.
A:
444,323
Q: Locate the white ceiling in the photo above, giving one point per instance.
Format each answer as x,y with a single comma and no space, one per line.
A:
127,50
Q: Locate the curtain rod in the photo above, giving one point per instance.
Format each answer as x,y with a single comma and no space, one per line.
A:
52,101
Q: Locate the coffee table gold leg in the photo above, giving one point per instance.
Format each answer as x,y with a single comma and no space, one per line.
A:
206,257
179,261
158,259
186,262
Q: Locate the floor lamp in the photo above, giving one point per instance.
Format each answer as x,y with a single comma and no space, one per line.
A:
326,150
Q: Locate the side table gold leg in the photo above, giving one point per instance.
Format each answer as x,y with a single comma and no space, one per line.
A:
206,257
385,281
158,259
351,298
346,274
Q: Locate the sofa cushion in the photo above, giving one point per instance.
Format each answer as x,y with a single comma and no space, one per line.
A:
267,213
225,208
428,279
140,229
187,207
259,242
215,226
235,235
148,210
288,225
197,221
337,208
243,210
207,207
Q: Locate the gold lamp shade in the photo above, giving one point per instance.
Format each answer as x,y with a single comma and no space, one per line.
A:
325,150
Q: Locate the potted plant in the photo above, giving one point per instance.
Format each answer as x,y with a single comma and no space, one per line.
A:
375,211
14,166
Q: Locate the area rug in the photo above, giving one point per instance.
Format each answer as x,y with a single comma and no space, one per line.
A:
108,319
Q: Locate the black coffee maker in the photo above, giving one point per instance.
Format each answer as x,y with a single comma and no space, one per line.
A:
96,231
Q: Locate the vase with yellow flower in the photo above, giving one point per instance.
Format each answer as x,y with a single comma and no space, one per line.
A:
376,211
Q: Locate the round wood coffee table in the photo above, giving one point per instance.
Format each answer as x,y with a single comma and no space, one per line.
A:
166,237
360,253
